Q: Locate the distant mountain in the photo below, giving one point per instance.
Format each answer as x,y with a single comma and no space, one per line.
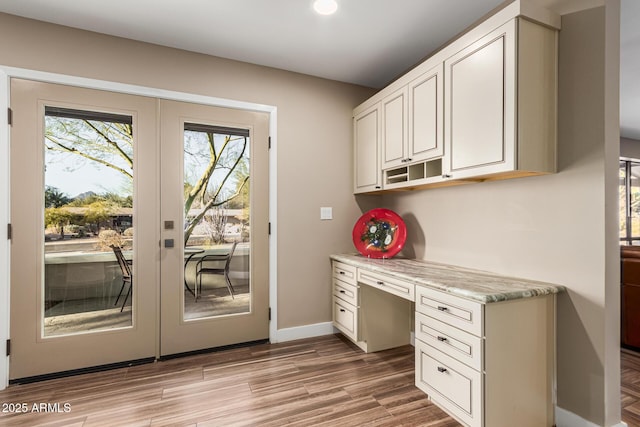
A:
85,195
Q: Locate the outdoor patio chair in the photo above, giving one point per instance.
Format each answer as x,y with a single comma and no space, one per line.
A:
213,264
127,276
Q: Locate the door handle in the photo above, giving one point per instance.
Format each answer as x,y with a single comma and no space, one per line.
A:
168,243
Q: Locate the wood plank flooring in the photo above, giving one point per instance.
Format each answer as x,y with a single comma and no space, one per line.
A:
630,387
314,382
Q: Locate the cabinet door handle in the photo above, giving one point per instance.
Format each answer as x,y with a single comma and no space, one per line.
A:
442,339
442,308
446,175
441,369
378,187
409,159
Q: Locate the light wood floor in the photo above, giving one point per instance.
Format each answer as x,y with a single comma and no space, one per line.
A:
318,381
313,382
630,387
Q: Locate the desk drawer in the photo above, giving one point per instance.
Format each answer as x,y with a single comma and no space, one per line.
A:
450,384
459,312
388,284
344,272
345,291
345,318
458,344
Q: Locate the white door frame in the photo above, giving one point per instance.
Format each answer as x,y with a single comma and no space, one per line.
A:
5,197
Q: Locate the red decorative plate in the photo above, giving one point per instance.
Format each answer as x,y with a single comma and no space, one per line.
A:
379,233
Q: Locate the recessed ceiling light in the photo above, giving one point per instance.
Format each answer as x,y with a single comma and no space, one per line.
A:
325,7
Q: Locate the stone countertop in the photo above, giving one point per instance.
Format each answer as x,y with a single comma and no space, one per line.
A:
477,285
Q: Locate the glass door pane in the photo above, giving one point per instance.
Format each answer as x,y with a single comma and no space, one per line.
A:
217,221
623,206
634,199
88,217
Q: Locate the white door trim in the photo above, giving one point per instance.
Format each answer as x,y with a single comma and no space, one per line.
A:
8,72
4,220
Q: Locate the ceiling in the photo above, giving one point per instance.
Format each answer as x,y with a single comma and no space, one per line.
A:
367,42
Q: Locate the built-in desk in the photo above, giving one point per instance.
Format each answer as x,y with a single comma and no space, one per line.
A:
485,343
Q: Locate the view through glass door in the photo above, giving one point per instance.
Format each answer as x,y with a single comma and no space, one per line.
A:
81,182
215,227
87,269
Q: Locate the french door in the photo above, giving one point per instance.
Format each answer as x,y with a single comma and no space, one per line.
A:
212,312
169,188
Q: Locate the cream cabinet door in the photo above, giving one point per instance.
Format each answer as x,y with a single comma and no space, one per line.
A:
426,105
395,129
480,105
366,140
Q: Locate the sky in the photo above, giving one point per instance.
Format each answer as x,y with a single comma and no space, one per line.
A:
83,178
74,175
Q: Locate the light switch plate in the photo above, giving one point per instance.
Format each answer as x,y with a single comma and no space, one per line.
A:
326,213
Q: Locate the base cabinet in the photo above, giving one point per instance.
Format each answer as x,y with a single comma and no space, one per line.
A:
486,361
345,299
452,385
345,318
372,310
487,364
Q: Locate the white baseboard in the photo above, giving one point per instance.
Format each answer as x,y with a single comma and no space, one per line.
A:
565,418
306,331
310,331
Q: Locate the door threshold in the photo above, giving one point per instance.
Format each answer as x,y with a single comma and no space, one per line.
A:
89,370
214,349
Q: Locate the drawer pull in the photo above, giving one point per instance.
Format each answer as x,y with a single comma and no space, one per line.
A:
342,292
442,339
441,369
442,308
342,272
380,283
342,310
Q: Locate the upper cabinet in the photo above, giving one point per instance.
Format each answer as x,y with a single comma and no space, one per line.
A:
483,107
366,137
395,129
501,104
412,121
480,87
425,115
